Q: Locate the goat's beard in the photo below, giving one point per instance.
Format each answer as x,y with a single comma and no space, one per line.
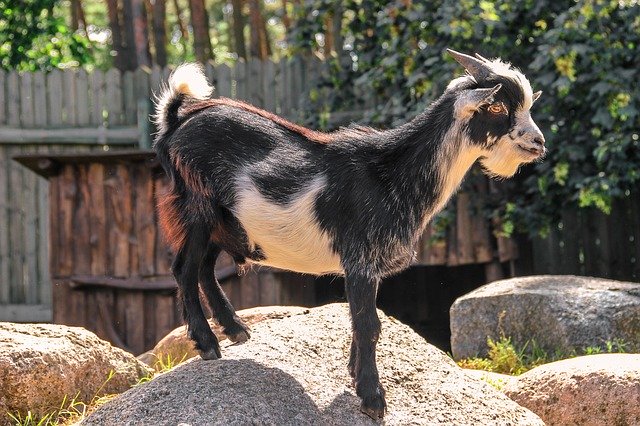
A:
503,159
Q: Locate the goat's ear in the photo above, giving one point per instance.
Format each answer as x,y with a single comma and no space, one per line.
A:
472,100
536,95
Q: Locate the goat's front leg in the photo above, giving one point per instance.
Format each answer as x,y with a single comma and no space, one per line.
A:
361,294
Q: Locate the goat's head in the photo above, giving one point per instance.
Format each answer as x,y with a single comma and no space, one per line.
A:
493,103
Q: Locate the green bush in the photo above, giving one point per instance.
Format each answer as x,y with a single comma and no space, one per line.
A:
582,54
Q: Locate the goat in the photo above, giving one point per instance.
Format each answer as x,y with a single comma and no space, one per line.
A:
352,202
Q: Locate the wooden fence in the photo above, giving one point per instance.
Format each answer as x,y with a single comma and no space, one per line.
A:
589,242
78,111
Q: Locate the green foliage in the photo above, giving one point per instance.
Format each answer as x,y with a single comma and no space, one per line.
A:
505,358
34,35
582,54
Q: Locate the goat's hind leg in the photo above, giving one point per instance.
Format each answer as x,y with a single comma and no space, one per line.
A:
223,311
185,269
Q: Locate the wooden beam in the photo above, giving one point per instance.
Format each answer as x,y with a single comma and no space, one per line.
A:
75,136
26,313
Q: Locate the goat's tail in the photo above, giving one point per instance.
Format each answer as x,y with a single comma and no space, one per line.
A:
186,82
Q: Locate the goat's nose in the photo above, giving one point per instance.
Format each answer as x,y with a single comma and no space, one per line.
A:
539,140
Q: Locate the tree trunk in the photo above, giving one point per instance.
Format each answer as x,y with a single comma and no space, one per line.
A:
259,43
115,23
159,15
183,27
135,25
200,23
238,29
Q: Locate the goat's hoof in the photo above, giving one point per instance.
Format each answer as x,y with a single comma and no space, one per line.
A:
238,332
239,337
374,405
211,354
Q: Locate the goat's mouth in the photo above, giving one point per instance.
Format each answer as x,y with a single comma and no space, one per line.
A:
532,152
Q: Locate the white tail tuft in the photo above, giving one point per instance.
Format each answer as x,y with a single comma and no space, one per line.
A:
187,79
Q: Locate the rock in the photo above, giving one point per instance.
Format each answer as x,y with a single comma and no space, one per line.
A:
293,371
588,390
560,312
178,346
40,364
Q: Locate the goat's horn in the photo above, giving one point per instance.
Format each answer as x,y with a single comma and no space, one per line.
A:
478,69
482,58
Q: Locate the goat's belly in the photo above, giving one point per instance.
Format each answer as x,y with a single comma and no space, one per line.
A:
288,236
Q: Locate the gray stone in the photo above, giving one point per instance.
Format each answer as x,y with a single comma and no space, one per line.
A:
594,390
560,312
177,346
40,364
293,372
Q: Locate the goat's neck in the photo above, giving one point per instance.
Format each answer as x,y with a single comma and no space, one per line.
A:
427,162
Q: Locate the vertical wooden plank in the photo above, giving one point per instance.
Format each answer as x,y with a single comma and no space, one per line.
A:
3,97
54,98
16,227
81,223
464,240
269,289
165,318
83,105
250,289
26,100
254,82
145,227
223,81
240,77
4,225
452,243
68,191
162,253
118,201
143,107
114,97
98,240
69,98
130,101
30,276
284,88
150,303
134,317
44,277
13,95
269,85
97,93
571,241
39,99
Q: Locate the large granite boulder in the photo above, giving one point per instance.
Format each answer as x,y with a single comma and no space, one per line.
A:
590,390
40,364
560,312
176,346
293,372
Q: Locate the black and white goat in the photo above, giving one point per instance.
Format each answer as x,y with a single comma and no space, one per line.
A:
352,202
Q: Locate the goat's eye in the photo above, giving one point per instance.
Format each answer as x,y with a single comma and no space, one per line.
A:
497,108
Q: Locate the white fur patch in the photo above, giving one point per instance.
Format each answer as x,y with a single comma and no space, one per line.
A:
187,79
289,236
